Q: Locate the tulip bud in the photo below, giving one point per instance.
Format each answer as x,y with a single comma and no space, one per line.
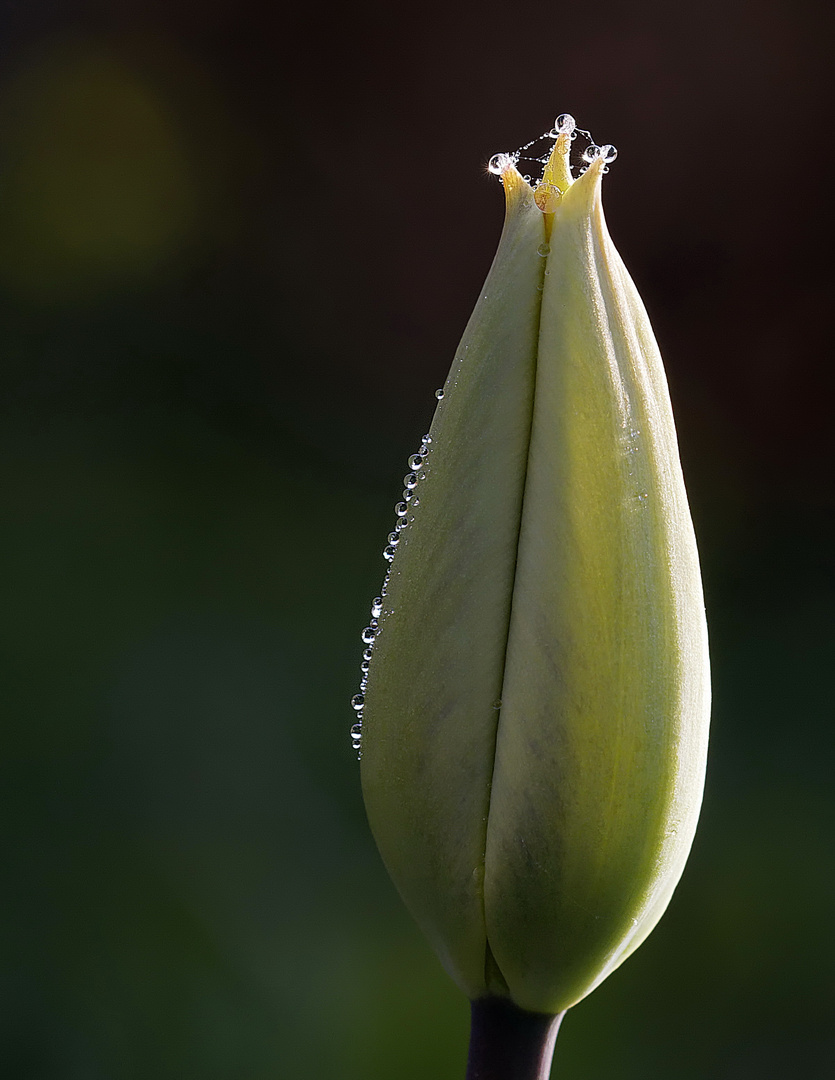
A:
534,723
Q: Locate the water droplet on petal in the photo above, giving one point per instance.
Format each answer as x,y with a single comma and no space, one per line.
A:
498,163
543,250
401,509
439,394
415,461
591,153
410,480
547,197
357,702
608,152
376,607
565,124
368,635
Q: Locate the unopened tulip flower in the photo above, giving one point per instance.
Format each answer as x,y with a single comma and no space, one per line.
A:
534,709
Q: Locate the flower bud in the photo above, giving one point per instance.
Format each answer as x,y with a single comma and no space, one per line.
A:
534,726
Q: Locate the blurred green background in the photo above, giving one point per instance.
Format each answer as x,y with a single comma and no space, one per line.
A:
238,244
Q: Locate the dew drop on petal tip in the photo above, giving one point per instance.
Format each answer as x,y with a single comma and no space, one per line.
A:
439,394
565,124
498,163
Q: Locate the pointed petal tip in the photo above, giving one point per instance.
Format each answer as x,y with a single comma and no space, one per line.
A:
515,185
557,170
584,196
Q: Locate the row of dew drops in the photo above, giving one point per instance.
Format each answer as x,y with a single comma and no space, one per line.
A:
405,511
547,196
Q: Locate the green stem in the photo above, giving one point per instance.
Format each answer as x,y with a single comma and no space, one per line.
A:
508,1043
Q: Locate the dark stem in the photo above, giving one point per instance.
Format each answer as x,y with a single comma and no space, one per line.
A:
508,1043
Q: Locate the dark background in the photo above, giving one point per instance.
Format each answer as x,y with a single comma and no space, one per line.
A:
238,244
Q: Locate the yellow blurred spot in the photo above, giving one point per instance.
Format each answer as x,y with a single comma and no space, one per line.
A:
98,188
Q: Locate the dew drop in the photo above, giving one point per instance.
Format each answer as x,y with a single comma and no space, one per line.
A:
543,250
410,480
394,540
439,394
388,553
565,124
498,163
497,704
357,702
368,635
591,153
547,197
356,731
365,666
415,462
608,153
401,509
366,653
376,607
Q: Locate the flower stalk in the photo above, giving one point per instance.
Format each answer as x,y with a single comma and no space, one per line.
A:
507,1043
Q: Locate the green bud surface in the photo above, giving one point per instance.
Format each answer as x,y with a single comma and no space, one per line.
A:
534,726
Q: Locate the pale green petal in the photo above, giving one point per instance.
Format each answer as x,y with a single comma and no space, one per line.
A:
429,730
601,743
